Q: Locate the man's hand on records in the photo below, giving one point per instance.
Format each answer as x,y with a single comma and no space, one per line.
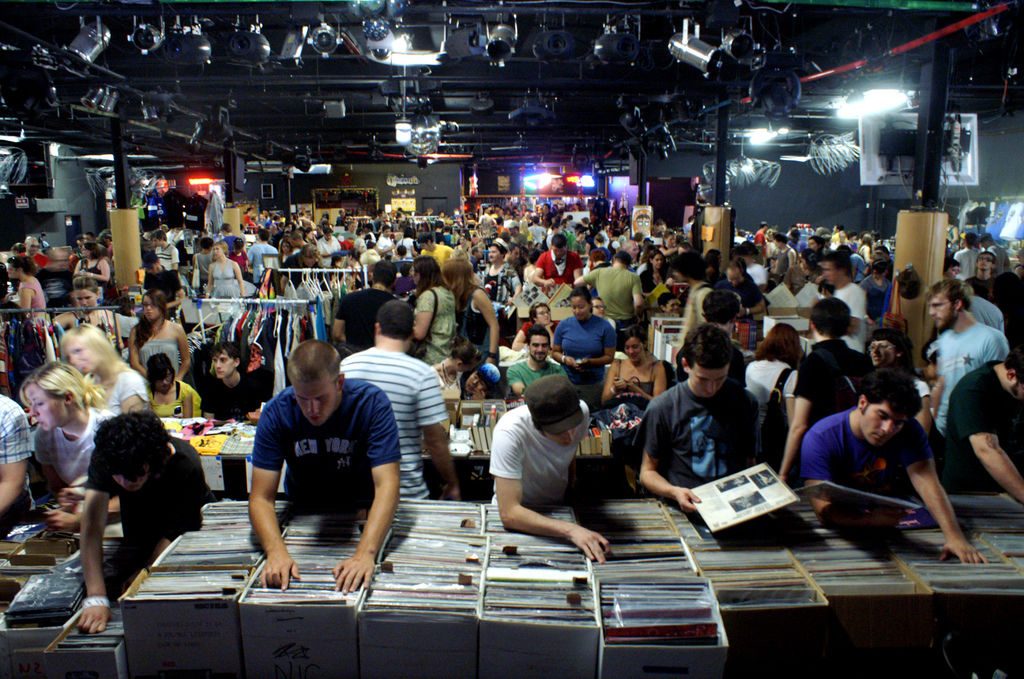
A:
93,619
593,545
353,573
963,550
280,569
687,499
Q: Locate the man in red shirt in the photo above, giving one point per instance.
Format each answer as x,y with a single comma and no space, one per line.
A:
558,265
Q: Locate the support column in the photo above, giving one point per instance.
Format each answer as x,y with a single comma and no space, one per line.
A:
924,246
120,165
641,177
930,122
124,230
721,153
233,218
229,175
716,231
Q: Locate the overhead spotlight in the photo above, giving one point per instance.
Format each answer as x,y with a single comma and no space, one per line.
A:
187,48
323,39
395,8
426,134
195,143
616,48
378,34
249,46
92,99
303,159
147,37
481,103
28,93
150,111
553,45
776,85
713,62
109,102
632,122
463,41
501,43
91,40
739,44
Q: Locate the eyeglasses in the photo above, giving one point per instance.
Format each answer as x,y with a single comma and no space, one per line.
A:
881,346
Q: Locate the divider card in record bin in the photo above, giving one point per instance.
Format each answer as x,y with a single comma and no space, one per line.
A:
659,629
184,622
419,618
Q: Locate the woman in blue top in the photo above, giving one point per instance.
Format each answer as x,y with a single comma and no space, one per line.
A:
584,344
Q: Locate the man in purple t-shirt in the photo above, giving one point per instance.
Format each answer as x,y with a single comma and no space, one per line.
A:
870,447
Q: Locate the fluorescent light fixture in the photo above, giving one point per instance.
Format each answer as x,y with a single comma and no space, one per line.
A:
403,132
795,159
872,102
316,168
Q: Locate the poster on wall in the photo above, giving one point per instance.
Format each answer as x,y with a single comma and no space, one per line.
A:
643,217
404,204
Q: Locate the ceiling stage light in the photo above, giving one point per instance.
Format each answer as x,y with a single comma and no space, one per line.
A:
323,39
147,37
553,45
501,43
187,48
616,48
91,40
250,46
712,61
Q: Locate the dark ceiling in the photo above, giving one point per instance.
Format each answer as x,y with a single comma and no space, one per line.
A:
569,108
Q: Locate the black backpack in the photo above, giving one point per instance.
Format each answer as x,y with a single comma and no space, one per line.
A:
846,389
775,426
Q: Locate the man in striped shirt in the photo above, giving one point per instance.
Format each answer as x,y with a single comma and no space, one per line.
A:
15,450
412,387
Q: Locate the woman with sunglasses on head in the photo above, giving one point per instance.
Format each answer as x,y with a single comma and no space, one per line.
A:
890,348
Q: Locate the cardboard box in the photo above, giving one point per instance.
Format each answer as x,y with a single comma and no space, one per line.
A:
78,663
167,636
21,651
983,616
755,631
513,650
414,644
664,660
299,640
799,323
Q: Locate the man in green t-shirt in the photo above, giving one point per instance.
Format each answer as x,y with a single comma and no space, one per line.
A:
537,365
985,429
619,288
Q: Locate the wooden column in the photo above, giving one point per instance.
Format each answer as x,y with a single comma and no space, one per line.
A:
921,241
717,220
233,218
124,230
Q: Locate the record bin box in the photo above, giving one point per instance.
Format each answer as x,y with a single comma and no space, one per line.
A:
877,620
664,660
309,639
513,650
417,644
79,663
21,651
182,635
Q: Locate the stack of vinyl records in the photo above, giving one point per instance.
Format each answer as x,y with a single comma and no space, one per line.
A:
110,638
429,573
756,578
46,600
987,512
537,580
644,543
920,550
493,524
191,585
1010,545
226,539
841,567
317,543
434,516
662,613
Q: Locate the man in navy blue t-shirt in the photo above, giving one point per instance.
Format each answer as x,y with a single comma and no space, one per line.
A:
870,447
340,441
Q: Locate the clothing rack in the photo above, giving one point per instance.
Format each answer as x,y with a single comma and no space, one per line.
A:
59,309
251,300
358,269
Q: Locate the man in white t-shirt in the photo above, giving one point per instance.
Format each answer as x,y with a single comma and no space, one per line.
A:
838,272
532,450
326,245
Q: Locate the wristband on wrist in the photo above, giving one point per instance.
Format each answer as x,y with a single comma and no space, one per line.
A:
91,601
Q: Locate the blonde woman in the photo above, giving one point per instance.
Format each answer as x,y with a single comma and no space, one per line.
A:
68,408
225,280
88,349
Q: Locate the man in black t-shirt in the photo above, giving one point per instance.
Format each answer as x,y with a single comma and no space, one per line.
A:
357,311
231,394
161,279
721,307
822,379
162,489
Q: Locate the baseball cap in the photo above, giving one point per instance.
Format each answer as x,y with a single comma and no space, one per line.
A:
553,404
489,374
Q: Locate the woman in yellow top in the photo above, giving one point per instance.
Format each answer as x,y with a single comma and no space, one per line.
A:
167,396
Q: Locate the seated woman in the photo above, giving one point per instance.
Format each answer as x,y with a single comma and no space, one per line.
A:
639,378
68,408
169,397
461,359
540,314
88,349
156,333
